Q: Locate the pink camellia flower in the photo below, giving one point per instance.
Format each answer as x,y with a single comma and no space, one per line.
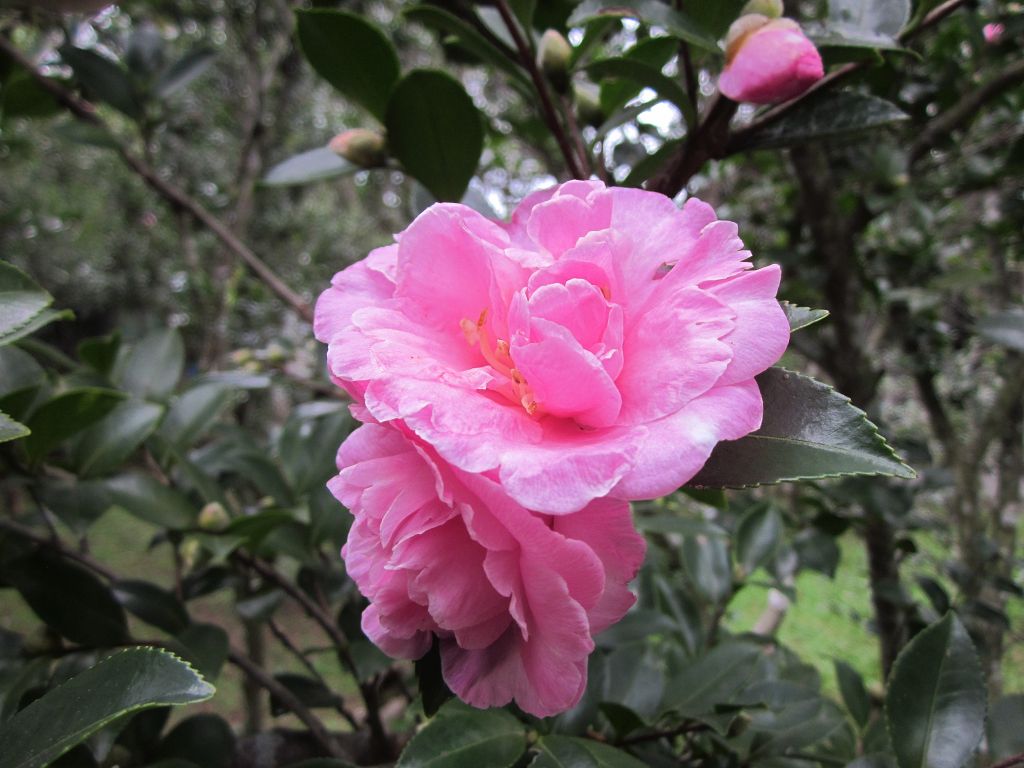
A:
768,60
513,596
993,33
600,343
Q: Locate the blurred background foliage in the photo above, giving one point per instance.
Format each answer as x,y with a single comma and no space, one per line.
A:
181,501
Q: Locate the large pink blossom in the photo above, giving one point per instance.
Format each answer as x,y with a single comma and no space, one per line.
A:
768,60
513,596
598,344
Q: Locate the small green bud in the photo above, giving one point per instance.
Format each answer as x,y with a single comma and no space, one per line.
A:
553,56
770,8
213,517
360,146
588,103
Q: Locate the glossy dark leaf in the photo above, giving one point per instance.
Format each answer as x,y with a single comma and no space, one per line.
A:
104,80
350,53
758,536
433,690
435,131
809,431
20,299
466,739
193,412
706,561
935,702
801,317
855,695
313,165
713,679
135,679
308,690
828,115
70,599
100,353
149,499
651,12
106,445
205,646
11,429
66,415
569,752
153,365
154,605
41,320
206,740
644,75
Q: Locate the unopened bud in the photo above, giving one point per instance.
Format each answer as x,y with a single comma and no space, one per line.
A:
588,104
275,353
770,8
360,146
553,57
213,517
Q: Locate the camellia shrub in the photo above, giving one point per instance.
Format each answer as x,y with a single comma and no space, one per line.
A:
558,427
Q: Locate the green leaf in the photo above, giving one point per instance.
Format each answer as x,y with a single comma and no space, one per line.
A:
20,299
205,646
193,412
801,317
148,499
715,18
655,52
107,444
644,75
100,352
206,740
826,115
651,12
22,96
935,702
706,562
758,535
153,365
104,80
687,526
70,599
307,167
468,38
66,415
855,695
11,429
809,431
183,71
467,739
321,762
435,131
135,679
38,321
713,679
154,605
1005,328
569,752
351,54
434,691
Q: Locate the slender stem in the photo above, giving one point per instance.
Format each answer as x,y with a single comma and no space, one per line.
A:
547,106
176,197
259,675
577,135
1009,762
679,730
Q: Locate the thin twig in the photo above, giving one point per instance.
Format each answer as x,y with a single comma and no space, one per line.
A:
577,135
59,546
679,730
1009,762
547,106
259,675
177,198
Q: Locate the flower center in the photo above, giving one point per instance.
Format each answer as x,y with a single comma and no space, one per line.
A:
497,355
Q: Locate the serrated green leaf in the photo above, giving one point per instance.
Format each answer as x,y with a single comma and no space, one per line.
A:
466,740
1005,328
651,12
135,679
193,412
712,679
935,702
801,317
828,115
104,446
67,414
38,321
306,167
435,131
351,54
570,752
21,299
11,429
809,431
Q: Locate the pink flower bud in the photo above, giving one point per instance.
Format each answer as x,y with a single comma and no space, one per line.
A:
993,33
360,146
768,60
